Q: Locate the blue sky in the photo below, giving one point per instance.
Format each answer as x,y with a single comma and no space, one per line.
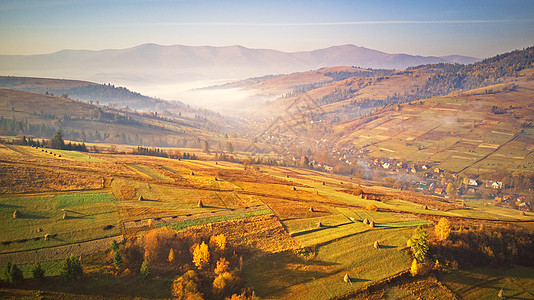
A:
474,28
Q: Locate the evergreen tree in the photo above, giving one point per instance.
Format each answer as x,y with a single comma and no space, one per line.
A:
38,272
419,243
57,141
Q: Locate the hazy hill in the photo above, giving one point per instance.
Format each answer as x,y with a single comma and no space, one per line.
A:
166,63
38,115
104,94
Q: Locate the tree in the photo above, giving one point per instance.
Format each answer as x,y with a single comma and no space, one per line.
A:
115,246
419,243
57,141
72,268
222,266
219,241
13,273
201,255
117,260
415,268
227,283
443,229
144,272
171,256
230,147
206,147
451,191
38,272
186,286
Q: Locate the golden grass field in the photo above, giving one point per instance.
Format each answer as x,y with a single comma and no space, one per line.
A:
289,254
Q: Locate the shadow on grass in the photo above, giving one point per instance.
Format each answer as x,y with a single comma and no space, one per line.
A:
30,216
386,247
271,274
323,227
2,205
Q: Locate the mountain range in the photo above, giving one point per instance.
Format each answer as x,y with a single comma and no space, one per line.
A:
157,63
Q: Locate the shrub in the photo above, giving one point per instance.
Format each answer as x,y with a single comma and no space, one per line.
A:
38,272
371,207
72,268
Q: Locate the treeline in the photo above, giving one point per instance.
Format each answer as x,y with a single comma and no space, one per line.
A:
475,248
13,127
161,153
454,77
338,76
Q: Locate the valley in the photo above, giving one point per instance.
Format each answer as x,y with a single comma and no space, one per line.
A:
337,187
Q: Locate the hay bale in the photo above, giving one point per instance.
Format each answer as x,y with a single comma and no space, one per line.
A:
46,237
319,225
64,214
200,205
216,179
372,224
39,229
141,198
425,207
324,183
294,188
376,245
346,278
311,209
192,173
287,176
365,221
341,182
17,214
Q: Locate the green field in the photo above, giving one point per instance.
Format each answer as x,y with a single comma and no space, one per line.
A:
485,283
41,215
285,275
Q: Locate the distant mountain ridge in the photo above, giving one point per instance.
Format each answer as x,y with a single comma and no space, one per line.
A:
157,62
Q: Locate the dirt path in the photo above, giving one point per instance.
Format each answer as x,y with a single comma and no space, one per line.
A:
60,252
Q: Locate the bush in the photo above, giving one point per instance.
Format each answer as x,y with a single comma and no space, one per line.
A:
13,273
72,268
443,229
371,207
38,272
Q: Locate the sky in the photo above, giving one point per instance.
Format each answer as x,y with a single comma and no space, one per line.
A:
472,28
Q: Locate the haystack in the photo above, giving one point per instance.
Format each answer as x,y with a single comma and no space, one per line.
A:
294,188
346,278
372,224
200,205
64,214
376,245
16,214
319,225
365,221
141,198
192,173
311,209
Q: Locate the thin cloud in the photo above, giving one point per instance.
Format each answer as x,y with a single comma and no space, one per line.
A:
337,23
